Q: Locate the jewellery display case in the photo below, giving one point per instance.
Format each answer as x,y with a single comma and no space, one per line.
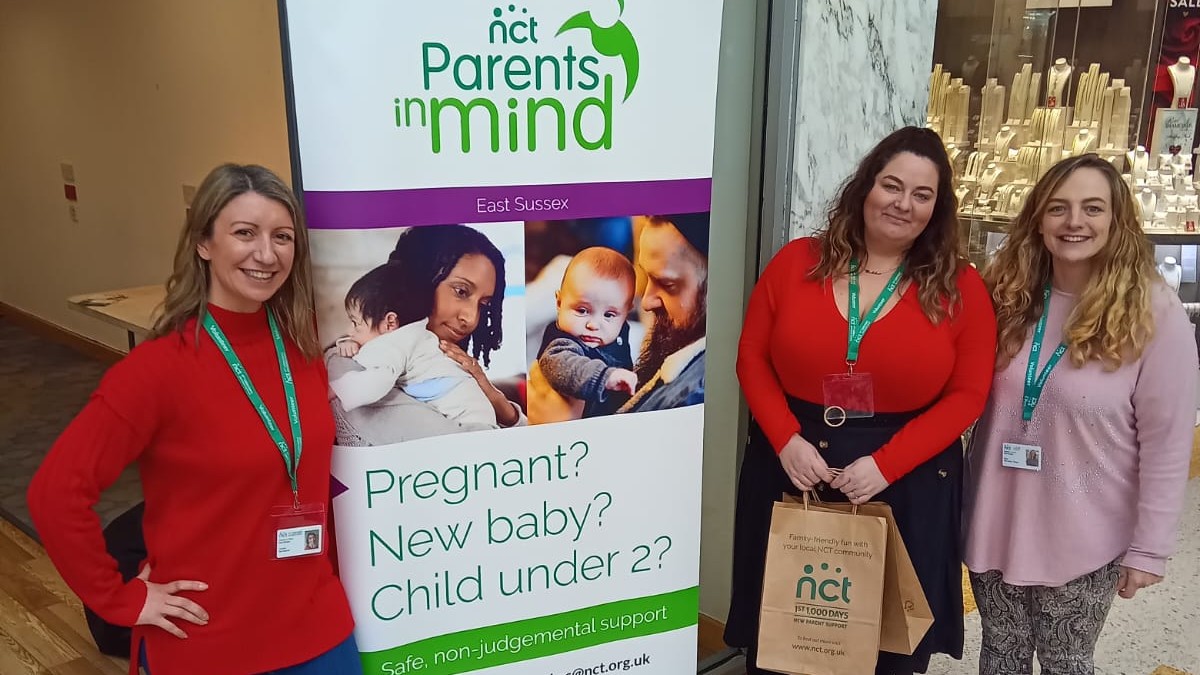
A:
1018,85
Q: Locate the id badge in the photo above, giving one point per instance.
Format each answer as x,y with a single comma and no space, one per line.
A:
297,532
848,396
1020,456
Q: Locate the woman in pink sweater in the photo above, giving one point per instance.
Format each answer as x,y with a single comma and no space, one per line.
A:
1077,471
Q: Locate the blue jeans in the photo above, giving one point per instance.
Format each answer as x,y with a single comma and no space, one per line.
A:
341,660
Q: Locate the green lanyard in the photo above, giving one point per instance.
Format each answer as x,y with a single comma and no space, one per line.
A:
289,392
1034,383
858,329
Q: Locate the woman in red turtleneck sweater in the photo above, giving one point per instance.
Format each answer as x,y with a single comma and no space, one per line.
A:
234,490
891,248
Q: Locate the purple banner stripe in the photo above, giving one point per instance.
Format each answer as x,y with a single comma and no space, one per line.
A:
433,206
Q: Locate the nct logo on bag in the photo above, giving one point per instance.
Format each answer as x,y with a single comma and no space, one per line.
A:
823,598
524,85
829,589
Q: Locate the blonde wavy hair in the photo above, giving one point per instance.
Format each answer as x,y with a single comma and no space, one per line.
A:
1113,321
935,259
188,286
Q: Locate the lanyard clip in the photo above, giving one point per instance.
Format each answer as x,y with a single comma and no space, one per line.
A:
296,500
850,365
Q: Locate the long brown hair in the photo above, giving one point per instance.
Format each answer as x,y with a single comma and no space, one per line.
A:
935,258
1113,320
187,288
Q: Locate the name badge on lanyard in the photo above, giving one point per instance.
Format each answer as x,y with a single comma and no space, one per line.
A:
851,395
297,529
1019,455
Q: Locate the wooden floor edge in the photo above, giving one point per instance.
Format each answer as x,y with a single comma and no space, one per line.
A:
56,333
711,635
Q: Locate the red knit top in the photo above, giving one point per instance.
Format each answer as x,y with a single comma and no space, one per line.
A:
794,335
210,475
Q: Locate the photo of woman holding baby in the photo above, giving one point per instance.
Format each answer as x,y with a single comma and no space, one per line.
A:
423,326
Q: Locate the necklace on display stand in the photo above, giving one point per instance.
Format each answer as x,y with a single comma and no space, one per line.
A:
1056,81
1020,95
1004,141
1183,76
1119,123
1037,125
1148,201
1171,273
987,182
954,153
1179,164
1084,142
961,193
1139,162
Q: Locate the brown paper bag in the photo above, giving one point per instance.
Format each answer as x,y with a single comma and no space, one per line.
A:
906,613
822,592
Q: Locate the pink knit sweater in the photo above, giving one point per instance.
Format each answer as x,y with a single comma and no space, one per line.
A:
1115,452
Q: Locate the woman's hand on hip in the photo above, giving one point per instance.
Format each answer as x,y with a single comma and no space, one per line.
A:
802,463
860,481
1131,581
162,604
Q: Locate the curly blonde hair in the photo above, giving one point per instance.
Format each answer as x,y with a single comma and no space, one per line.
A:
935,259
187,288
1113,321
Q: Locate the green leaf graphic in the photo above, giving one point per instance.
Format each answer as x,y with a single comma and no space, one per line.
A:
615,40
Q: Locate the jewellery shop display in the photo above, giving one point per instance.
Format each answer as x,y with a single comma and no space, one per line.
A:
1167,203
991,115
987,181
1089,95
1084,142
1004,142
1047,124
1056,82
952,109
963,194
1147,201
1183,77
1023,96
976,162
1116,130
1022,131
936,87
1139,162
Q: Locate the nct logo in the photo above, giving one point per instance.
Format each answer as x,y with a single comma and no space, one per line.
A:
824,586
526,87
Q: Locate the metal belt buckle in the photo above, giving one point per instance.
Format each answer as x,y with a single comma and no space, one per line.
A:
835,416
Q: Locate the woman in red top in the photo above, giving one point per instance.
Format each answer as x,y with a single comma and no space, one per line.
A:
235,492
890,252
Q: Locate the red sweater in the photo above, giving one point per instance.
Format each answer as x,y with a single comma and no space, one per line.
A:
210,475
794,335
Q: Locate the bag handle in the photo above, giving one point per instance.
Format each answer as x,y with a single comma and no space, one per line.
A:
805,494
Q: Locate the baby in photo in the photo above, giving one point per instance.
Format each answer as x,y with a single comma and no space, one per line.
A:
404,356
585,355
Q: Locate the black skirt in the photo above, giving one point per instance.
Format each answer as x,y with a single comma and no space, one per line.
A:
927,504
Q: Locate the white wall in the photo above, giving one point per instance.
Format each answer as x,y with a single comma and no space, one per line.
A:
141,96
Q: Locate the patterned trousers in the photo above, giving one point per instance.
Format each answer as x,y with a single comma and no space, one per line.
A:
1060,624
